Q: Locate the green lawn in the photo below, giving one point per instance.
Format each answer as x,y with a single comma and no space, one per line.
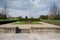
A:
23,22
56,22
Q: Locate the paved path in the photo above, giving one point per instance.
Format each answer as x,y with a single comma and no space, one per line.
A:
29,37
29,25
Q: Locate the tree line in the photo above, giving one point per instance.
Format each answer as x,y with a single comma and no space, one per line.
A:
54,13
3,16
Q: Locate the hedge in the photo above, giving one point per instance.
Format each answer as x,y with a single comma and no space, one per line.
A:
34,19
7,21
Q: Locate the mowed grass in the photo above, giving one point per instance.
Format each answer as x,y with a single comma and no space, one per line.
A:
24,22
56,22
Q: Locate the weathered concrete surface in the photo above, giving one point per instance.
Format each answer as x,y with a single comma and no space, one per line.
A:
29,37
28,26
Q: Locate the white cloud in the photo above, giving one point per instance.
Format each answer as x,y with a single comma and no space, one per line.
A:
15,3
37,9
18,3
43,3
26,3
16,13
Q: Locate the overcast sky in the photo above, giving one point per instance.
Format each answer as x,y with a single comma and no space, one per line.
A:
23,7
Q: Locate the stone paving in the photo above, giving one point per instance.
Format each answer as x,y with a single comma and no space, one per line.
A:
28,26
25,36
29,36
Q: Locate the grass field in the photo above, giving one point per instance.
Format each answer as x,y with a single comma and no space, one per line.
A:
23,22
56,22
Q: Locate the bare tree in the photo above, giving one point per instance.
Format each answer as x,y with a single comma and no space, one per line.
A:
58,15
5,10
53,12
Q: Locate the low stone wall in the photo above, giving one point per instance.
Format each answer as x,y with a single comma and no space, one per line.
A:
31,30
7,30
13,30
45,30
25,30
